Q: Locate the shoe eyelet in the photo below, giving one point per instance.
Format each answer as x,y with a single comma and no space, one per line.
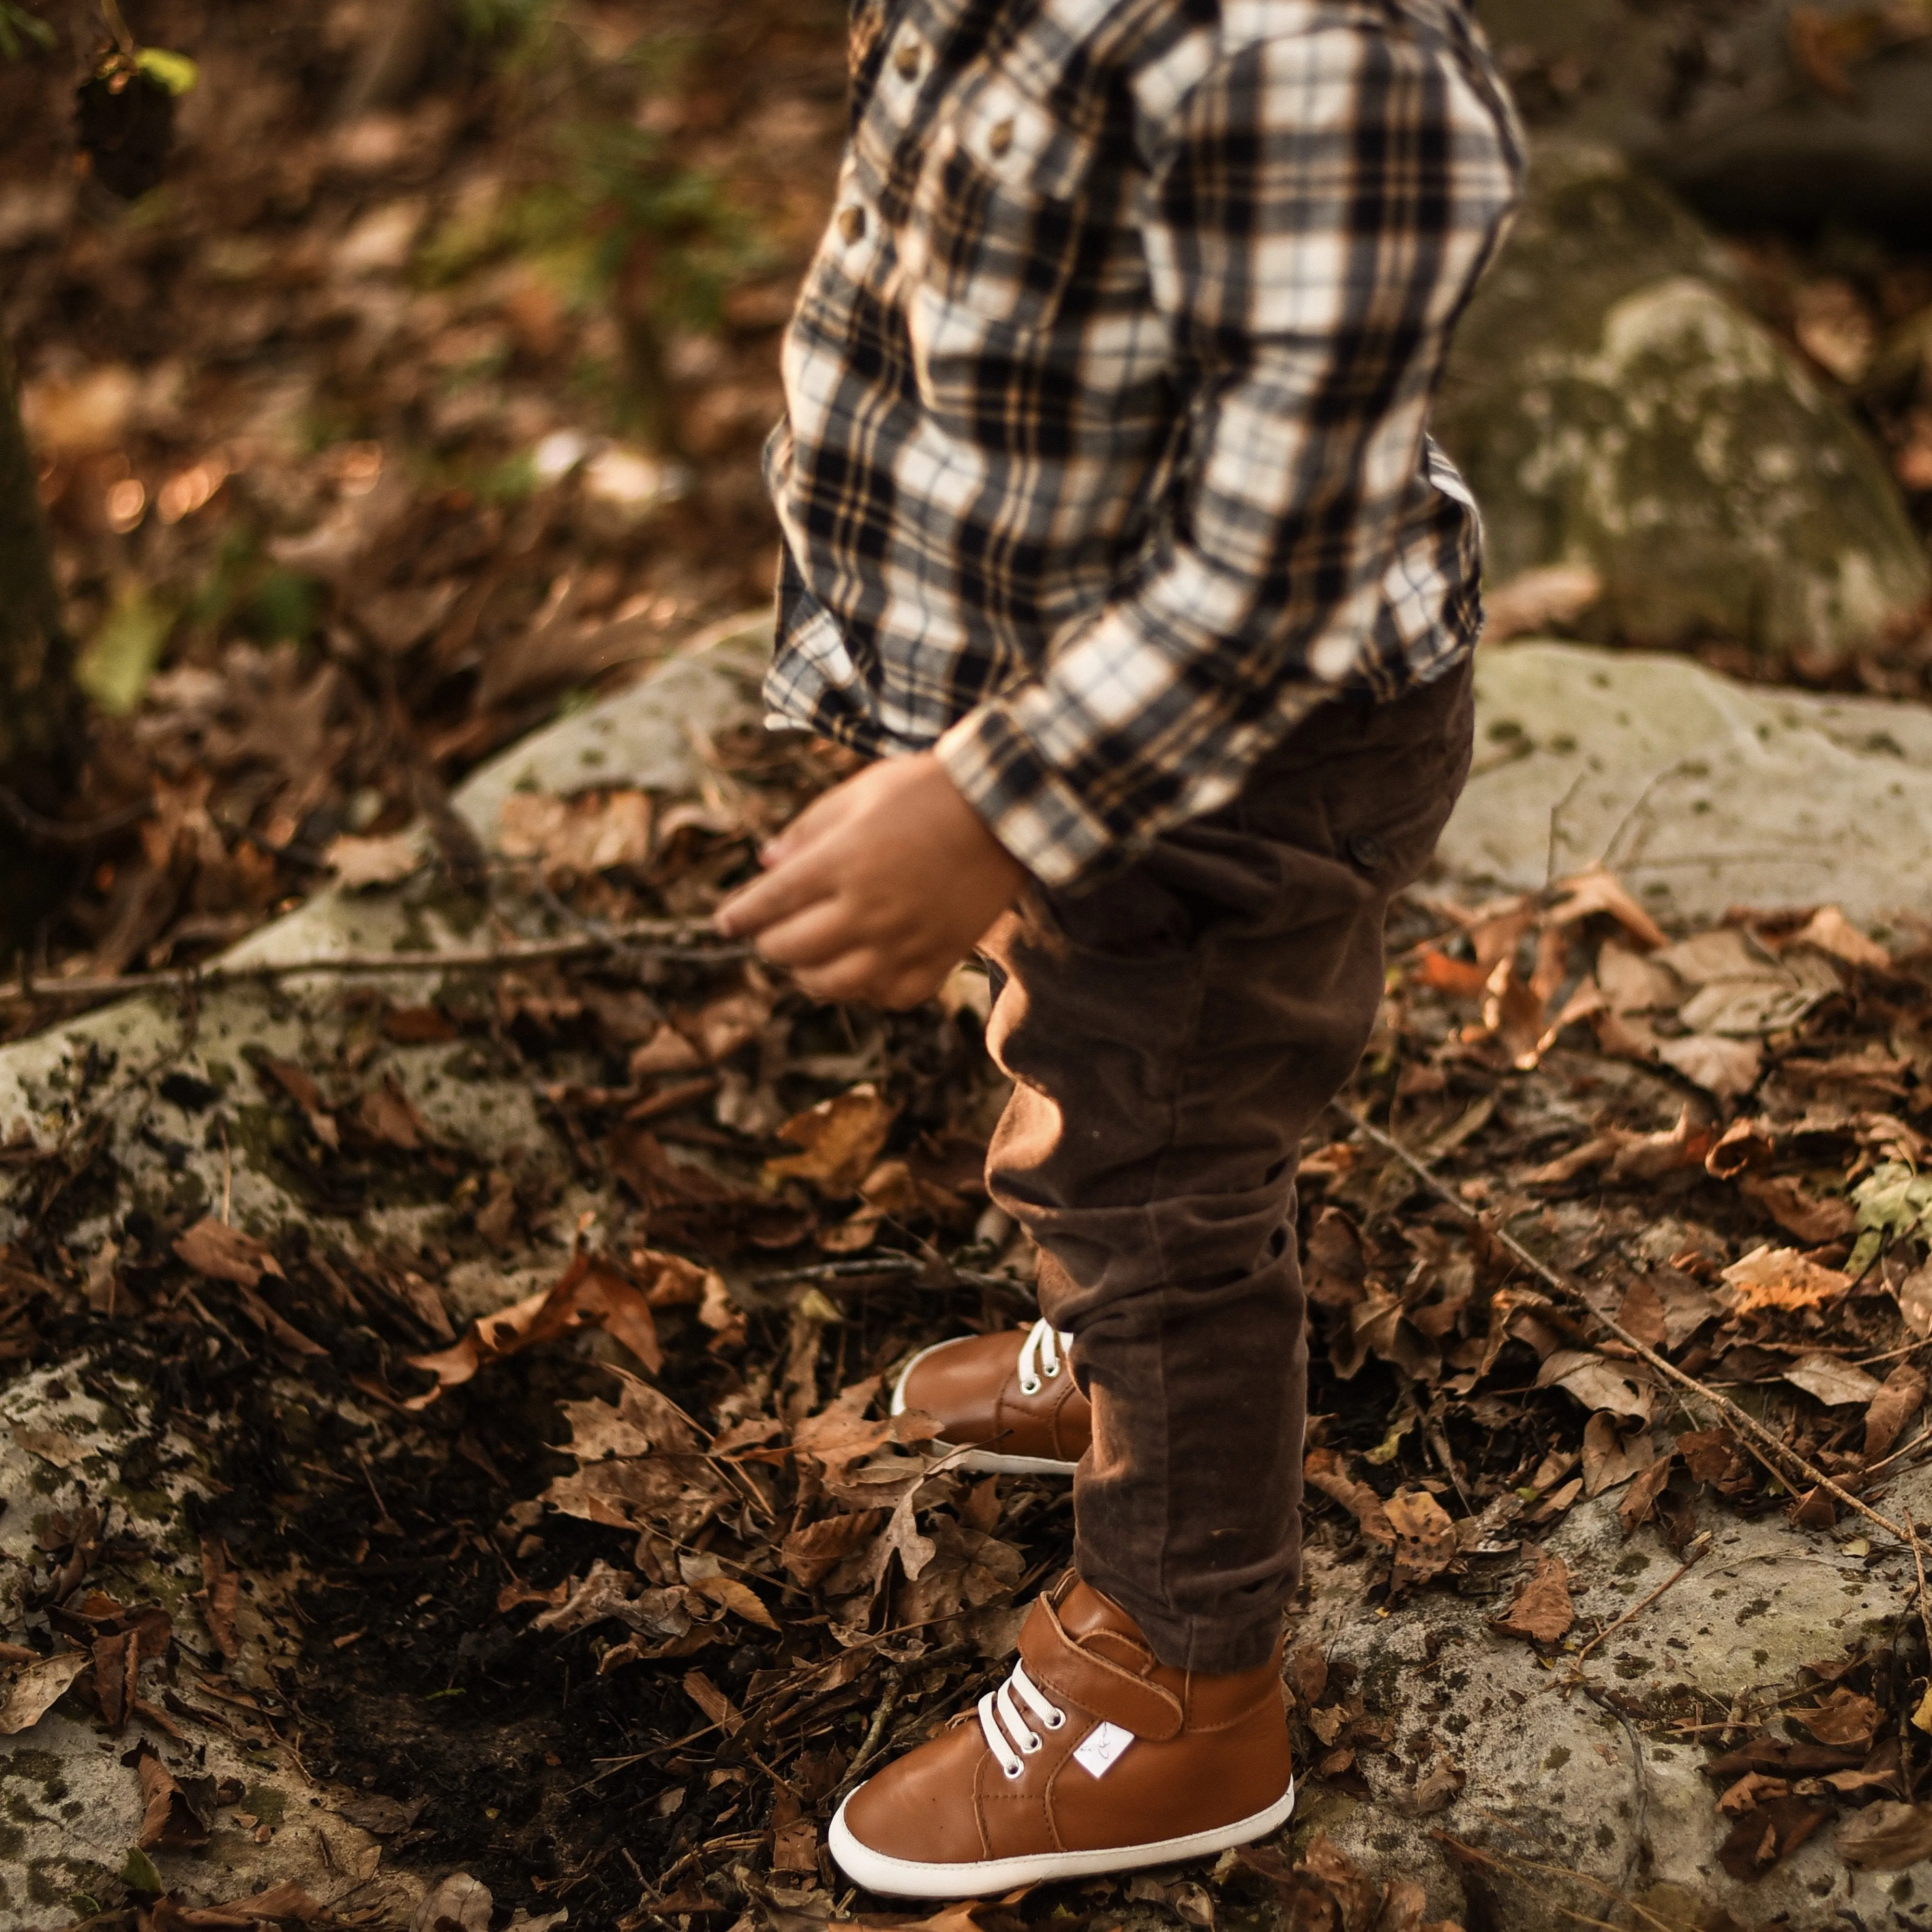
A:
1033,1744
1055,1720
1014,1771
1030,1387
1053,1373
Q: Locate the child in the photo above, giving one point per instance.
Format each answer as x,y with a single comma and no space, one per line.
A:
1112,530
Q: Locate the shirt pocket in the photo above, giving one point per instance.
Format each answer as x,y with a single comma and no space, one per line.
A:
998,214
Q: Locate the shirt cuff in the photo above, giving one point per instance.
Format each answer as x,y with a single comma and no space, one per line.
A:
1028,805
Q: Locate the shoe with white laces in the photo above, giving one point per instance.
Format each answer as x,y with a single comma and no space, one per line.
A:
1008,1399
1093,1756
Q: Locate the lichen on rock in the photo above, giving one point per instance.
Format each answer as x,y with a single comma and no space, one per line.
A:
1612,404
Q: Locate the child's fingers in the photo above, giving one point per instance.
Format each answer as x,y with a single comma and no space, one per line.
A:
788,888
853,977
819,934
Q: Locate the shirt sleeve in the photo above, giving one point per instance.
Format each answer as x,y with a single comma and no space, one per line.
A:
1319,207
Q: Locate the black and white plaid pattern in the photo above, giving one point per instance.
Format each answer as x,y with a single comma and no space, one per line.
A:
1105,457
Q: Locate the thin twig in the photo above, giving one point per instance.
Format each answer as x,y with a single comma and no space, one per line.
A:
45,831
1520,1869
835,1275
1697,1549
1919,1441
1746,1424
874,1740
664,938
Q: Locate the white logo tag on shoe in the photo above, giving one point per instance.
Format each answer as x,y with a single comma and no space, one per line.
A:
1100,1750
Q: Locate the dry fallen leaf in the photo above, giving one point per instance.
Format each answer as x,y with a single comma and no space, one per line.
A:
1597,890
590,1293
1770,1277
1609,1456
35,1689
1830,931
1896,1403
56,1446
1846,1717
841,1138
458,1904
223,1253
1542,1611
1728,1068
169,1822
361,863
1914,1300
1886,1837
574,837
812,1551
1325,1471
1425,1537
1834,1382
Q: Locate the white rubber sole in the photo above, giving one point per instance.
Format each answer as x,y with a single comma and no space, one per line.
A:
911,1878
990,1460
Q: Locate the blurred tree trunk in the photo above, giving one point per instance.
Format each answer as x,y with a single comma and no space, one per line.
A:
42,714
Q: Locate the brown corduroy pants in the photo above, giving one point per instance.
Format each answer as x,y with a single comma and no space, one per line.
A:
1173,1034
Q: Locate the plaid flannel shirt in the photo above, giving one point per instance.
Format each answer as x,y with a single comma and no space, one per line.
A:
1104,456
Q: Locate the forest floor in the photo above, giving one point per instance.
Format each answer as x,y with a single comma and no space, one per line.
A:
372,443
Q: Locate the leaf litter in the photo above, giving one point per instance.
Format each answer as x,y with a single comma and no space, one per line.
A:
652,1513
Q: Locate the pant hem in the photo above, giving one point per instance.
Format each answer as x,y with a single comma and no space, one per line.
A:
1210,1646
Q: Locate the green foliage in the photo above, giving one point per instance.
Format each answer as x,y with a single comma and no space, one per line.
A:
138,1874
18,27
1894,1203
620,189
283,604
606,193
124,653
508,481
176,72
495,22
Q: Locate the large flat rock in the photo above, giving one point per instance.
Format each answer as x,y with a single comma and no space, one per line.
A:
1700,792
1576,1803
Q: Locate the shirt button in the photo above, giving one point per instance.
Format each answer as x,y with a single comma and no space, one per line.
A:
907,56
1000,137
1367,852
852,224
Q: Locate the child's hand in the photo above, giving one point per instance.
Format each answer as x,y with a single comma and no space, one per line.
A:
878,889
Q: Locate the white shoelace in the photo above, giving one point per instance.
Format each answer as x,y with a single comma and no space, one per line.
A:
1041,1353
1009,1736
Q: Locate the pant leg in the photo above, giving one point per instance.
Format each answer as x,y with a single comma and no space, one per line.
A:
1172,1035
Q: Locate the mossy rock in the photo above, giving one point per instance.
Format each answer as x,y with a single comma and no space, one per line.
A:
1611,404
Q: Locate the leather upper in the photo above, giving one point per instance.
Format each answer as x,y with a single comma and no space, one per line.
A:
1207,1751
971,1388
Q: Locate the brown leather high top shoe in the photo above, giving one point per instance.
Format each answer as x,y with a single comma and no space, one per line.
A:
1008,1399
1091,1757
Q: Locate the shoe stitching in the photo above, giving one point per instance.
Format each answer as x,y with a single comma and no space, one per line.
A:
1126,1678
1240,1717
